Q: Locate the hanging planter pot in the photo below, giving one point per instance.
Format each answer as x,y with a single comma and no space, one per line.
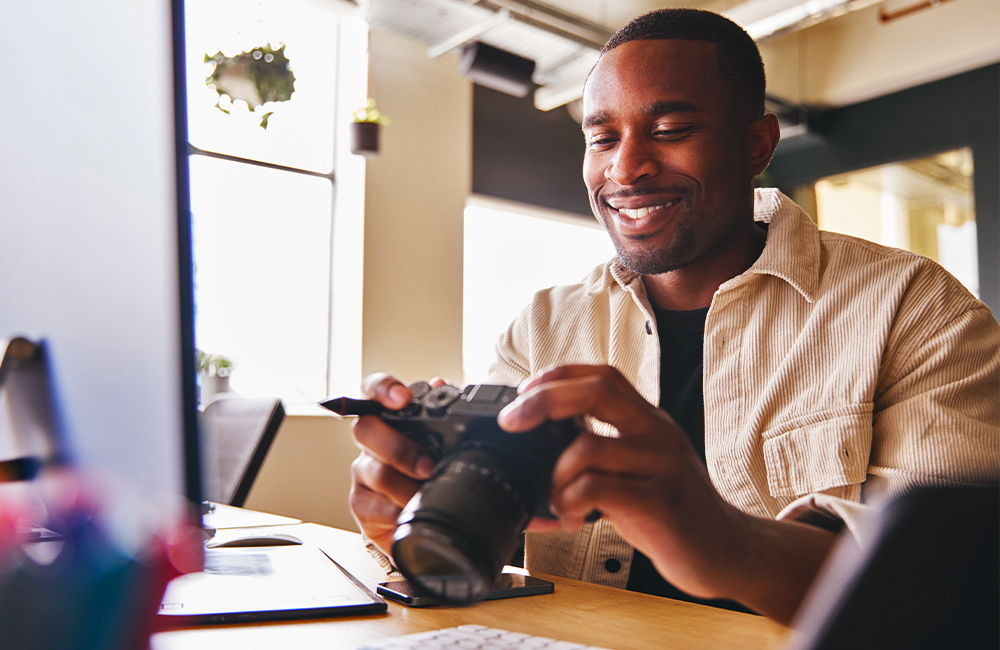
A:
364,138
365,130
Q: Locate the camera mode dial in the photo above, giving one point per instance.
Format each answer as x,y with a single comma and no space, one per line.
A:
439,399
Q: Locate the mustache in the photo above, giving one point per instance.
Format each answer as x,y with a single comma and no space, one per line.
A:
679,190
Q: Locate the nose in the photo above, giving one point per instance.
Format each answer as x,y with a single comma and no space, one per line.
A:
632,162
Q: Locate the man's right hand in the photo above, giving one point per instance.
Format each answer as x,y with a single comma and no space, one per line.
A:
390,468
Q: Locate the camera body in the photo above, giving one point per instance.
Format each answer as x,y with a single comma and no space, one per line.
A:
446,419
453,538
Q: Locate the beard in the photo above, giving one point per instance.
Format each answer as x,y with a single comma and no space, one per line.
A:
649,260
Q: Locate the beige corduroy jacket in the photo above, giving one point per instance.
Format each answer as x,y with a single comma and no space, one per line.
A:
837,373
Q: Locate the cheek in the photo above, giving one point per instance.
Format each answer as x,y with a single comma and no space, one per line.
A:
597,211
593,173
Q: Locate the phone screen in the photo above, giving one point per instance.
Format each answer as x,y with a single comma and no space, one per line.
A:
508,585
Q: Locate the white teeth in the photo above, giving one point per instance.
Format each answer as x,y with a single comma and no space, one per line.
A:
639,213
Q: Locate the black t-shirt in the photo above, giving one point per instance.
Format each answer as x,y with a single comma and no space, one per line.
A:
681,335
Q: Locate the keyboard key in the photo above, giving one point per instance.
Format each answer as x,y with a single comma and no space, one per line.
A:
473,637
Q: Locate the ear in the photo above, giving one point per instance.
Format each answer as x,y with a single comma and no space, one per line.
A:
763,134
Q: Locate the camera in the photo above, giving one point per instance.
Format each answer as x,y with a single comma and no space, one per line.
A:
454,536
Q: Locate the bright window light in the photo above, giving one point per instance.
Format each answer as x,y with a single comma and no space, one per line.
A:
300,132
924,205
262,275
262,235
510,255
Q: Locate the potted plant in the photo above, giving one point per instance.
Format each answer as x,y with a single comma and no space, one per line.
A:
260,77
213,374
364,129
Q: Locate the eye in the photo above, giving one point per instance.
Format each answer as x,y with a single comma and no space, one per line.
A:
671,132
600,142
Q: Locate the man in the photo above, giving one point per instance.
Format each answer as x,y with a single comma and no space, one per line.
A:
800,375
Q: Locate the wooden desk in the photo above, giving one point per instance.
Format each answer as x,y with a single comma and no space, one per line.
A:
577,611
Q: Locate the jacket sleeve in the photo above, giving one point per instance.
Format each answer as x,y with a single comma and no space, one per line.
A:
936,416
512,364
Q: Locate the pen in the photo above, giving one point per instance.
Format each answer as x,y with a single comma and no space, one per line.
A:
350,406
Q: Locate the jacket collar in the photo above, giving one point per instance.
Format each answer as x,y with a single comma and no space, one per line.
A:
792,251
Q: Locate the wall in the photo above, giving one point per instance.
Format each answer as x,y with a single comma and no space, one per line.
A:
307,472
855,57
415,196
525,155
414,203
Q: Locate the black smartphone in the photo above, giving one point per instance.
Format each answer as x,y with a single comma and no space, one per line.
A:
508,585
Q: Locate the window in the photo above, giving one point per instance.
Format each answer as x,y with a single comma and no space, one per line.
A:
262,188
511,251
924,205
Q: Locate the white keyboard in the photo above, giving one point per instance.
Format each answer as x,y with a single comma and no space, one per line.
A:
470,637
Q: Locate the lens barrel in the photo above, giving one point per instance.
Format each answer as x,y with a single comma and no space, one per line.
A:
455,535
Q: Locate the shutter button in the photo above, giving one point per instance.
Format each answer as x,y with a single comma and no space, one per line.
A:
649,330
611,565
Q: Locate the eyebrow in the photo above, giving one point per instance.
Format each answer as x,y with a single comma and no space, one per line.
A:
653,110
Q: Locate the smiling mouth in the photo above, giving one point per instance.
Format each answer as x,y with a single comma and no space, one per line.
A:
639,213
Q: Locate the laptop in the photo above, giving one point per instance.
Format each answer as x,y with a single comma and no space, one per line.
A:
237,433
276,576
266,583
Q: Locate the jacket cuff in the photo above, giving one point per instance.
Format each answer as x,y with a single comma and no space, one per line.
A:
383,560
833,514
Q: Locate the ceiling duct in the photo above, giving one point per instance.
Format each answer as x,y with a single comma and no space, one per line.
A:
497,69
564,47
764,19
794,121
553,20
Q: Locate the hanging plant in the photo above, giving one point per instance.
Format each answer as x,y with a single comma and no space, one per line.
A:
259,76
369,114
365,129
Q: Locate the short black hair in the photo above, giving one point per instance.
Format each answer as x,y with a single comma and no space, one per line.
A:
740,65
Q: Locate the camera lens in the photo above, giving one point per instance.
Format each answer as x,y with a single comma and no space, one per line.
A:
444,566
457,532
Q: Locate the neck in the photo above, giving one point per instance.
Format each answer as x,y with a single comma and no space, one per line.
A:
692,286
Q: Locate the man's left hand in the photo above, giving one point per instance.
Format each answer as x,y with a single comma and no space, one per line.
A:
649,482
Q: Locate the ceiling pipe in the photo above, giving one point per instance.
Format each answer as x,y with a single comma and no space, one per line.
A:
467,35
889,16
553,20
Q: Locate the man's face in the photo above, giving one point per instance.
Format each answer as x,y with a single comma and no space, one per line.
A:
667,163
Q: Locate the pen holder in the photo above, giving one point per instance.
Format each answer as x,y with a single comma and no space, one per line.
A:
67,585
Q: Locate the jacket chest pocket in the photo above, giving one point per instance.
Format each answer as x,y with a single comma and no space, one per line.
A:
819,451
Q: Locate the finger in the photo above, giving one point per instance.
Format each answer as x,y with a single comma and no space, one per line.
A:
556,372
614,495
378,477
386,389
375,515
392,448
373,511
543,525
637,456
598,391
438,381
